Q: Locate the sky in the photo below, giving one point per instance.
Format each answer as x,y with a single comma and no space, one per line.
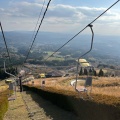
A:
65,16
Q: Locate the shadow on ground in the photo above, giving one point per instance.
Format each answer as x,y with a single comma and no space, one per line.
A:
51,110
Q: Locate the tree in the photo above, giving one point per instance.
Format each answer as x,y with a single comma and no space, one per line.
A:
101,73
90,71
3,75
85,71
95,74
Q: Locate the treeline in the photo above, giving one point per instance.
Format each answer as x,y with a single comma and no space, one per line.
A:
15,61
54,62
91,71
11,70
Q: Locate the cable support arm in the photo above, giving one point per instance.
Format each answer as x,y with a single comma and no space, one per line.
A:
8,72
5,41
84,54
12,76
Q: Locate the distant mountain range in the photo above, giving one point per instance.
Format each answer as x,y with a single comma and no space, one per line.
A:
106,45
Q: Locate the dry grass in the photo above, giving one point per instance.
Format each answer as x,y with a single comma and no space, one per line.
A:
110,91
100,107
107,86
16,110
104,86
3,86
108,81
104,105
104,90
3,103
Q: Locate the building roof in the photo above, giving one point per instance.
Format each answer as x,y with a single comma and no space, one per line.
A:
84,63
55,73
42,75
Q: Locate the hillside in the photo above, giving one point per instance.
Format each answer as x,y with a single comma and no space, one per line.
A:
108,44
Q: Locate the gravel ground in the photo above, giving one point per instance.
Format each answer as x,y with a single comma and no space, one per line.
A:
40,109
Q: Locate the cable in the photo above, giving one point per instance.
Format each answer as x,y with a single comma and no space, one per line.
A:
37,30
30,69
36,25
5,41
82,30
38,19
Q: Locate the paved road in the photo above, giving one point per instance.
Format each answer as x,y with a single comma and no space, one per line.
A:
40,109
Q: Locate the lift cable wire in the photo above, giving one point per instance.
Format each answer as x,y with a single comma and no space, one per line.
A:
82,30
30,68
84,55
36,25
37,31
5,42
38,20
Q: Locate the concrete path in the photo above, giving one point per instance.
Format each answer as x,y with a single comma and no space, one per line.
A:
72,83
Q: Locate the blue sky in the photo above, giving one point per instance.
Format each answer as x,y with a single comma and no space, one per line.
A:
62,16
90,3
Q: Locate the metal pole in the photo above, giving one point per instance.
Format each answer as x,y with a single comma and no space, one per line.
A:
20,80
5,41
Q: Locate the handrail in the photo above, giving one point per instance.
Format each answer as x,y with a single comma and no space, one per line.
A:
8,72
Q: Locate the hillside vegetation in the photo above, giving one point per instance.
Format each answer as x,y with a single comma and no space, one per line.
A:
104,89
104,105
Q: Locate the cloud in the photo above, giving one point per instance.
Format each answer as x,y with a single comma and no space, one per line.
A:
90,12
39,1
30,9
26,9
64,17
